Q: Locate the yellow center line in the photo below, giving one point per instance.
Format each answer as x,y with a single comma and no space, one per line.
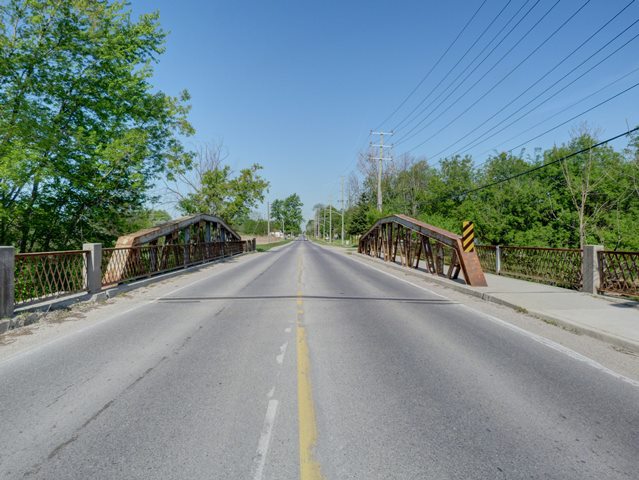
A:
309,467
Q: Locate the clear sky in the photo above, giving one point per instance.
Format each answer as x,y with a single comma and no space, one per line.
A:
297,85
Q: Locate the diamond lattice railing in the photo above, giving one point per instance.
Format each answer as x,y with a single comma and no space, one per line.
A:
554,266
619,272
50,274
487,257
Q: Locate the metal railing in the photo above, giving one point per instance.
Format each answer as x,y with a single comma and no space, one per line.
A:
39,276
131,263
619,272
487,257
554,266
560,267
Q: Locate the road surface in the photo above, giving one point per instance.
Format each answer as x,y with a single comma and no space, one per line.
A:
303,363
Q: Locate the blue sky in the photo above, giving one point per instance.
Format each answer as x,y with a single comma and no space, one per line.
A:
297,85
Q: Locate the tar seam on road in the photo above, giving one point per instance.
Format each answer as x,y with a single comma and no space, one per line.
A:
35,348
537,338
309,466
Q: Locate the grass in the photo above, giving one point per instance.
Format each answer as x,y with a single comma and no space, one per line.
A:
267,246
336,243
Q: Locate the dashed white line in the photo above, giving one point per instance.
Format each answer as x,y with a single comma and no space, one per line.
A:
280,357
265,439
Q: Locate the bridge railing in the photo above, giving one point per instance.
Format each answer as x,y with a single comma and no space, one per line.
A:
487,257
619,272
131,263
561,267
44,275
27,278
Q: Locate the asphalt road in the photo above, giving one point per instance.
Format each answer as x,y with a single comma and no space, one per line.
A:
302,363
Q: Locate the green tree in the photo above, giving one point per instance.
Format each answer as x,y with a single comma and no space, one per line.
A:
358,222
213,188
231,198
83,134
288,213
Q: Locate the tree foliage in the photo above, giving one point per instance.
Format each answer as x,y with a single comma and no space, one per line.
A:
213,189
288,213
590,198
83,134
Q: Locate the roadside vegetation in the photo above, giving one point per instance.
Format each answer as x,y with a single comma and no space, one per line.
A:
84,135
86,140
591,198
265,247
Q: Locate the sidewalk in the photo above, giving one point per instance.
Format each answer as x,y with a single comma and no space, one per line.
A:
610,319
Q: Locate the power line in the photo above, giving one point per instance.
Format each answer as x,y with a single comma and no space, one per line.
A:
539,167
577,116
496,84
568,107
482,138
398,125
452,84
441,57
558,64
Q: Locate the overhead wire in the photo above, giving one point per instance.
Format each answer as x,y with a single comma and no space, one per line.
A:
451,69
565,109
545,165
496,84
441,57
460,74
576,116
536,82
453,86
482,138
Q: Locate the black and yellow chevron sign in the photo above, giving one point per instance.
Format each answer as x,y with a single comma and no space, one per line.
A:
468,236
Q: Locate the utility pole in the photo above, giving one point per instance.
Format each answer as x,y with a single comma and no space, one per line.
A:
380,159
342,188
330,219
324,225
268,221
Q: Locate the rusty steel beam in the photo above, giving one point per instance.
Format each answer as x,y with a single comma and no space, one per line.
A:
404,227
193,227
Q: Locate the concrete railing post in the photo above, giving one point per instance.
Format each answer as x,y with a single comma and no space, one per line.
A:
590,268
7,282
94,267
497,259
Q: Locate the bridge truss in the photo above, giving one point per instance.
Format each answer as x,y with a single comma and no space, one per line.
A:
413,240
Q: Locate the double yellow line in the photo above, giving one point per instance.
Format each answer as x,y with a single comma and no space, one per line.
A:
309,467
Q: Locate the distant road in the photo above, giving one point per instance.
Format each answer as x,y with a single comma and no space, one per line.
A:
303,363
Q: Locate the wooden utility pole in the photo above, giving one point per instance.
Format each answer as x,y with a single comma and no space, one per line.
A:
380,159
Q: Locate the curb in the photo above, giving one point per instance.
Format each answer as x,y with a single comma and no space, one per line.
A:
487,297
7,324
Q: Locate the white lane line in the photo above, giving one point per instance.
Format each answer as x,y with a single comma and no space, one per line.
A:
265,439
287,329
280,357
533,336
271,392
